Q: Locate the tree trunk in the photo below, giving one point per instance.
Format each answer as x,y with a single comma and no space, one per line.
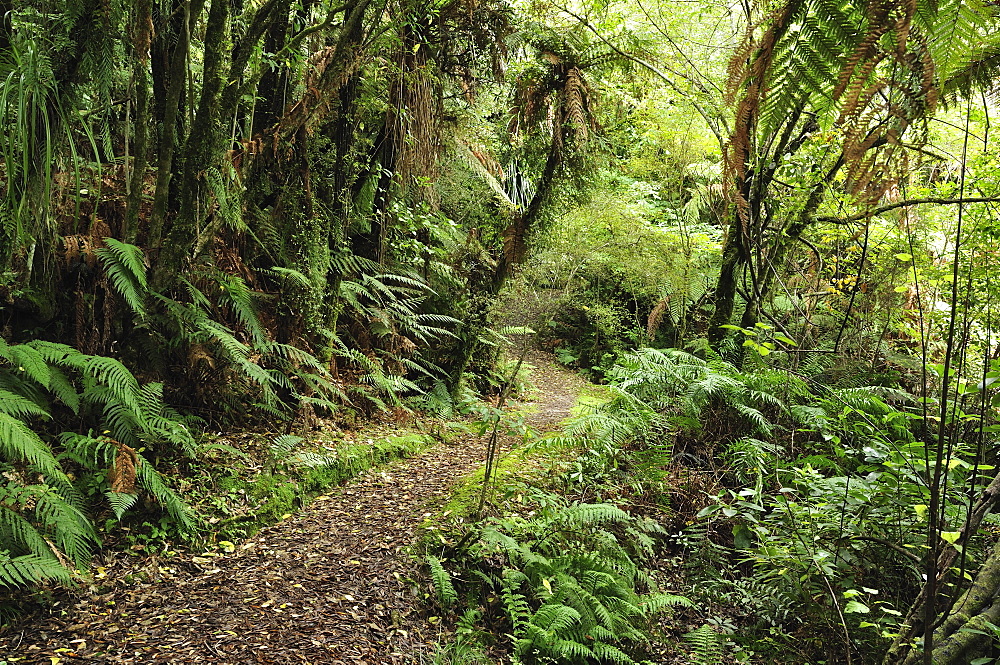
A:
965,633
141,35
725,289
515,240
202,151
273,82
174,80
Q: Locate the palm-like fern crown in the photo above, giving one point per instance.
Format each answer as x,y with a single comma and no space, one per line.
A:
867,68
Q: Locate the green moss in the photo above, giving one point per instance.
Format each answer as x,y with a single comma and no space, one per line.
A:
245,502
508,478
591,396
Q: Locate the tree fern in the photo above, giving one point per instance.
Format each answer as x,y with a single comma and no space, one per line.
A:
43,525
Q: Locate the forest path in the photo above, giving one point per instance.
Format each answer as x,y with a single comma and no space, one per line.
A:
328,585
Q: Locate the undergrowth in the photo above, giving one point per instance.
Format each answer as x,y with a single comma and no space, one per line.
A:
541,576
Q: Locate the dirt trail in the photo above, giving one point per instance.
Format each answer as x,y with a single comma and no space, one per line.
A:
329,585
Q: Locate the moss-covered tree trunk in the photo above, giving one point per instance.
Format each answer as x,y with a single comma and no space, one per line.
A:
202,151
170,68
141,37
965,632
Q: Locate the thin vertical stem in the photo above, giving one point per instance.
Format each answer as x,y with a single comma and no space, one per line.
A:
936,504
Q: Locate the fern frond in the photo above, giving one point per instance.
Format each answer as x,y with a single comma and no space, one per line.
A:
30,569
284,446
153,482
68,527
16,530
654,604
125,266
515,603
121,502
607,653
19,442
555,618
443,586
707,645
293,276
18,405
63,389
116,377
585,514
30,362
239,297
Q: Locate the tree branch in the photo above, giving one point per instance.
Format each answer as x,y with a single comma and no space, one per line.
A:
710,120
899,548
903,204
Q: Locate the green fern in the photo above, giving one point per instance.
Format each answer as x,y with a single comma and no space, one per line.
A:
569,586
44,524
30,363
515,602
443,586
154,483
29,570
707,646
126,269
121,502
19,443
238,296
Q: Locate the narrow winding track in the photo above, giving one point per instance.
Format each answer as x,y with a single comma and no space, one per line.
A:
329,585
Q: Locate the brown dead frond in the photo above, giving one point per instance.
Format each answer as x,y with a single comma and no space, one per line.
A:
656,317
122,474
575,110
515,242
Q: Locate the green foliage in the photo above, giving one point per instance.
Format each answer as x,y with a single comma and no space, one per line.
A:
657,391
617,274
567,581
44,520
126,268
287,451
707,645
786,531
445,590
38,115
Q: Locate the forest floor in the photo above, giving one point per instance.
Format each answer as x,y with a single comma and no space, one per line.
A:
334,583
